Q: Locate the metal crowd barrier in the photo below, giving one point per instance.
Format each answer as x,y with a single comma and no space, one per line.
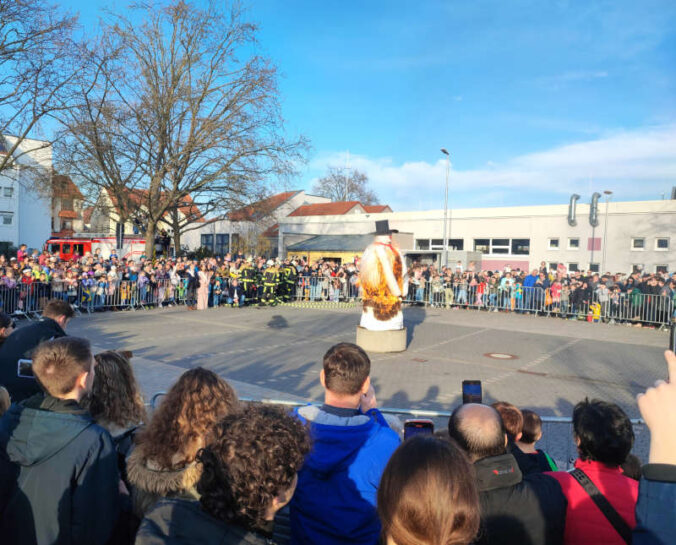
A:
657,310
95,295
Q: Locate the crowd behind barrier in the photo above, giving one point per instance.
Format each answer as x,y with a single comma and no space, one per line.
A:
94,284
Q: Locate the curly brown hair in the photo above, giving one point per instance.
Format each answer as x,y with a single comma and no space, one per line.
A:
178,428
251,458
115,397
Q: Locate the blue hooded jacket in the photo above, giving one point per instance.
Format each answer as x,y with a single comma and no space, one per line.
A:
335,500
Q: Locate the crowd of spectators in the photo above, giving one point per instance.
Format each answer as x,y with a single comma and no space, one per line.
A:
82,462
93,283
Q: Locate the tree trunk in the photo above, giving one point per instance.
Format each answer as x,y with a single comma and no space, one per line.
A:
177,241
150,240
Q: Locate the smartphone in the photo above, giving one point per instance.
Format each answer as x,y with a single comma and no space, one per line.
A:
24,368
672,337
418,426
471,391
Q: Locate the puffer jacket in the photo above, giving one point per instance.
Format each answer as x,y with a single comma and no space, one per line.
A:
150,483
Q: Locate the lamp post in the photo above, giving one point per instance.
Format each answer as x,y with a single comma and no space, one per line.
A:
444,261
608,195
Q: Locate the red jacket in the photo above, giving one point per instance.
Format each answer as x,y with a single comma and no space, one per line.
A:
585,523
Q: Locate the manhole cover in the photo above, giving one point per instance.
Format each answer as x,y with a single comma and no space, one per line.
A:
500,356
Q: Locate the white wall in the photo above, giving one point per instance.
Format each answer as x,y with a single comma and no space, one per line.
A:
31,210
648,219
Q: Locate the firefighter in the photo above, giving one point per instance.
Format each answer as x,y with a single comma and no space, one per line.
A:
291,279
270,284
247,277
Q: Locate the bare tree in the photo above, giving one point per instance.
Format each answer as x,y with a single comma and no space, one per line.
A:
339,186
36,69
189,108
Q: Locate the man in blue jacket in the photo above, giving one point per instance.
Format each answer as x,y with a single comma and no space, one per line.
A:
335,498
529,291
59,482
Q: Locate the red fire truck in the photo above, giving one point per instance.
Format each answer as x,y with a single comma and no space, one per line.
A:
77,246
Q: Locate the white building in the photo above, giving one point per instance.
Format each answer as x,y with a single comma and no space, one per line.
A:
639,234
257,221
25,203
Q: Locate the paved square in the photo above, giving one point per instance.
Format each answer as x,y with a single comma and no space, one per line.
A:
276,353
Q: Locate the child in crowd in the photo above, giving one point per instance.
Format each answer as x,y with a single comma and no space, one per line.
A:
531,433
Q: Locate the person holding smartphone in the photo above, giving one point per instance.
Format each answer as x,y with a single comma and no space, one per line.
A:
16,351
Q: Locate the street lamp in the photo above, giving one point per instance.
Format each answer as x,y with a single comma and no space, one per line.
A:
444,261
608,195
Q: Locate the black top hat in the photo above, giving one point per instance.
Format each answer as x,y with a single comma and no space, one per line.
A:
383,228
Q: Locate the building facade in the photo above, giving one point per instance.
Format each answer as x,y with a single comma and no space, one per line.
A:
629,235
25,205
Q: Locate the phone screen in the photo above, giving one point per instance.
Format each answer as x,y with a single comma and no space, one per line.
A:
418,427
25,368
471,391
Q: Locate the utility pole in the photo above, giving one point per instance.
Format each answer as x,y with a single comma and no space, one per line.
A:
444,261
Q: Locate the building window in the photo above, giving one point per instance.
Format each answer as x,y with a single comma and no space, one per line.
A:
422,244
553,243
7,192
637,267
572,267
67,225
66,204
553,266
500,246
573,243
456,244
222,245
594,267
6,218
520,246
661,244
438,242
482,245
638,244
662,269
207,241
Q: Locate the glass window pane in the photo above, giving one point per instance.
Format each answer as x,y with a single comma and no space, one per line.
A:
572,267
663,243
66,249
520,246
573,242
456,243
594,267
422,244
638,243
481,245
500,250
500,242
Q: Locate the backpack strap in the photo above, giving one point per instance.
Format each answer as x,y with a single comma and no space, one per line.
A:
603,504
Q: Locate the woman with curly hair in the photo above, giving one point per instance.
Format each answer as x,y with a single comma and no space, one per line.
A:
249,472
163,462
428,495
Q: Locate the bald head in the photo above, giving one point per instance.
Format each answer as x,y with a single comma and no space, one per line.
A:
478,429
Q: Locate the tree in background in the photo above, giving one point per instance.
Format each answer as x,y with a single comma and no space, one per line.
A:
36,70
338,186
177,104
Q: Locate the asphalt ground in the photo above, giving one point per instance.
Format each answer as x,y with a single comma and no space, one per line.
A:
277,352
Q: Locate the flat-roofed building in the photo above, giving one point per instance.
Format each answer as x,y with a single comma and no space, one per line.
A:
640,234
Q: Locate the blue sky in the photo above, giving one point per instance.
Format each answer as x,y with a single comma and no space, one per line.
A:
534,99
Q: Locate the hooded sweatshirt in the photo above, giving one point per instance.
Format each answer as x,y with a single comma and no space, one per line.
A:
58,475
335,499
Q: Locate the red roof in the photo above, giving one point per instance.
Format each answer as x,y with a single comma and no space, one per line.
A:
272,231
326,208
87,214
377,208
261,208
68,214
64,188
138,197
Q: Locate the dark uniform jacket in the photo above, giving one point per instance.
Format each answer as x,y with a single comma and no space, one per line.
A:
59,482
183,522
515,509
20,345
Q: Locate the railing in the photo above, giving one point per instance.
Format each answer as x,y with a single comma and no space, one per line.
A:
95,295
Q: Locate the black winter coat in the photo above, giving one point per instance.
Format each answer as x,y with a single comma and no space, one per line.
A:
59,483
183,522
518,510
20,345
